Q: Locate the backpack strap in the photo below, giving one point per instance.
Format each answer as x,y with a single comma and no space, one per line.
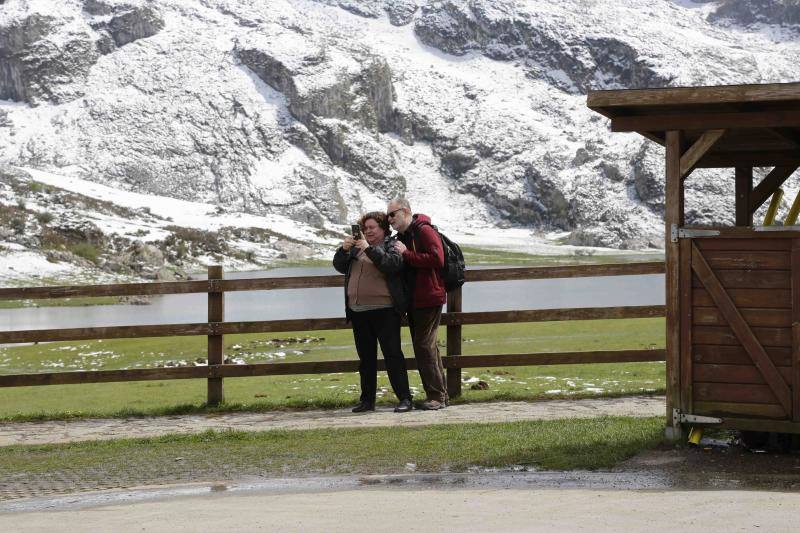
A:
417,230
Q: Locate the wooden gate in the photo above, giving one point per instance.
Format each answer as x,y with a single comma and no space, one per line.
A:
738,350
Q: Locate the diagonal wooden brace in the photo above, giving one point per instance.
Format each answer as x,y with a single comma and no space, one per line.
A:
769,185
700,148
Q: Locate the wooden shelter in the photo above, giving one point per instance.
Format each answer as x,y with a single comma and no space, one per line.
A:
733,293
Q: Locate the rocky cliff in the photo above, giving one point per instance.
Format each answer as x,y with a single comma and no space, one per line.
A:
316,110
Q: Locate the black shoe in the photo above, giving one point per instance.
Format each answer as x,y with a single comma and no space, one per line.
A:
363,407
404,406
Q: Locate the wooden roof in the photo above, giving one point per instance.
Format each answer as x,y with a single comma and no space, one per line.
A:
756,125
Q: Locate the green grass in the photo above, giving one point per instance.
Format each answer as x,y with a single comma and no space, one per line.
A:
480,256
323,390
553,445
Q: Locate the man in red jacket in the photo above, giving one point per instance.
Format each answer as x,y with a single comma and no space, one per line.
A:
422,252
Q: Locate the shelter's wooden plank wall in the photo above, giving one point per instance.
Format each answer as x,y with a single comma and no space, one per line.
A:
756,274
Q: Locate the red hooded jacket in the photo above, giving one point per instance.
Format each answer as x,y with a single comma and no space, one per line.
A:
425,256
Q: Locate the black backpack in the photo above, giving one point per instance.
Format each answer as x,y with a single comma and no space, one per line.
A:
453,270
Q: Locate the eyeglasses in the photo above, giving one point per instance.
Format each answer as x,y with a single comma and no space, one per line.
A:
392,214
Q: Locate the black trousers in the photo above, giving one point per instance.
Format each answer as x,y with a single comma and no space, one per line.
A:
370,328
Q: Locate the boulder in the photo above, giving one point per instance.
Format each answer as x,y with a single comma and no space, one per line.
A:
362,8
458,161
401,12
120,23
75,230
64,256
143,258
135,23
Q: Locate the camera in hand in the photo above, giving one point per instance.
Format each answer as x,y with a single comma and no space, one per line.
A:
356,230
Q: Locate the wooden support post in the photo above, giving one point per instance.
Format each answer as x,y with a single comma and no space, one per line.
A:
454,344
744,190
674,217
795,383
216,314
686,325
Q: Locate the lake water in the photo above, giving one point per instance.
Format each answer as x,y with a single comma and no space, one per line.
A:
608,291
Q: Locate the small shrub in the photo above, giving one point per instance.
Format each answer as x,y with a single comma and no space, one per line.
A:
181,250
35,186
21,203
18,225
52,240
45,217
86,250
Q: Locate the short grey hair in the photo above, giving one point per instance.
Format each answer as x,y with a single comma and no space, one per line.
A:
401,201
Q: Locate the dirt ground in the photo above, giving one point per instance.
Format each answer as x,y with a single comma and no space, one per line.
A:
709,467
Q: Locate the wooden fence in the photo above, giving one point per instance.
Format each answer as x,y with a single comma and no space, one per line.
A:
216,327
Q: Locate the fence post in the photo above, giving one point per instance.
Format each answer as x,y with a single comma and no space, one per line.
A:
454,344
216,313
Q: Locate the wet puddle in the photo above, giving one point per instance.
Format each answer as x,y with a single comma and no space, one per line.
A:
629,480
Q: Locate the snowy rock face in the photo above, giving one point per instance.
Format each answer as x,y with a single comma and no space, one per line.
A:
47,51
345,99
504,31
44,56
781,12
317,110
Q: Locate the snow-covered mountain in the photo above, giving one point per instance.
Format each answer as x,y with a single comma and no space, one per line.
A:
300,114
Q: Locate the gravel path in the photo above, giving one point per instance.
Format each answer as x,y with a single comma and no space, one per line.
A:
118,428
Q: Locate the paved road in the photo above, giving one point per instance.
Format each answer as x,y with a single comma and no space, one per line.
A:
438,509
99,429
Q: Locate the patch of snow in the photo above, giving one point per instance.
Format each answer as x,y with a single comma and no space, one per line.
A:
180,212
29,264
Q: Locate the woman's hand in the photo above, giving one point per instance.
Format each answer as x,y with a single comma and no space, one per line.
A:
362,244
348,243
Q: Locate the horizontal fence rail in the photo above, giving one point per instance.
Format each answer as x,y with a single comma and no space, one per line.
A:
316,324
324,367
311,282
216,327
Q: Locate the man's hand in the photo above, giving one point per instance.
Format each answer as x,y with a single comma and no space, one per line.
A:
348,243
399,246
362,244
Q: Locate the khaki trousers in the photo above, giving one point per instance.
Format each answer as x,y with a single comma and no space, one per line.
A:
424,325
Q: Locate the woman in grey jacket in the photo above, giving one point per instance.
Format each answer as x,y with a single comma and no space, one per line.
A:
375,301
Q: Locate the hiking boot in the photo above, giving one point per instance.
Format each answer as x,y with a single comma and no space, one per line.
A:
363,407
404,406
429,405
